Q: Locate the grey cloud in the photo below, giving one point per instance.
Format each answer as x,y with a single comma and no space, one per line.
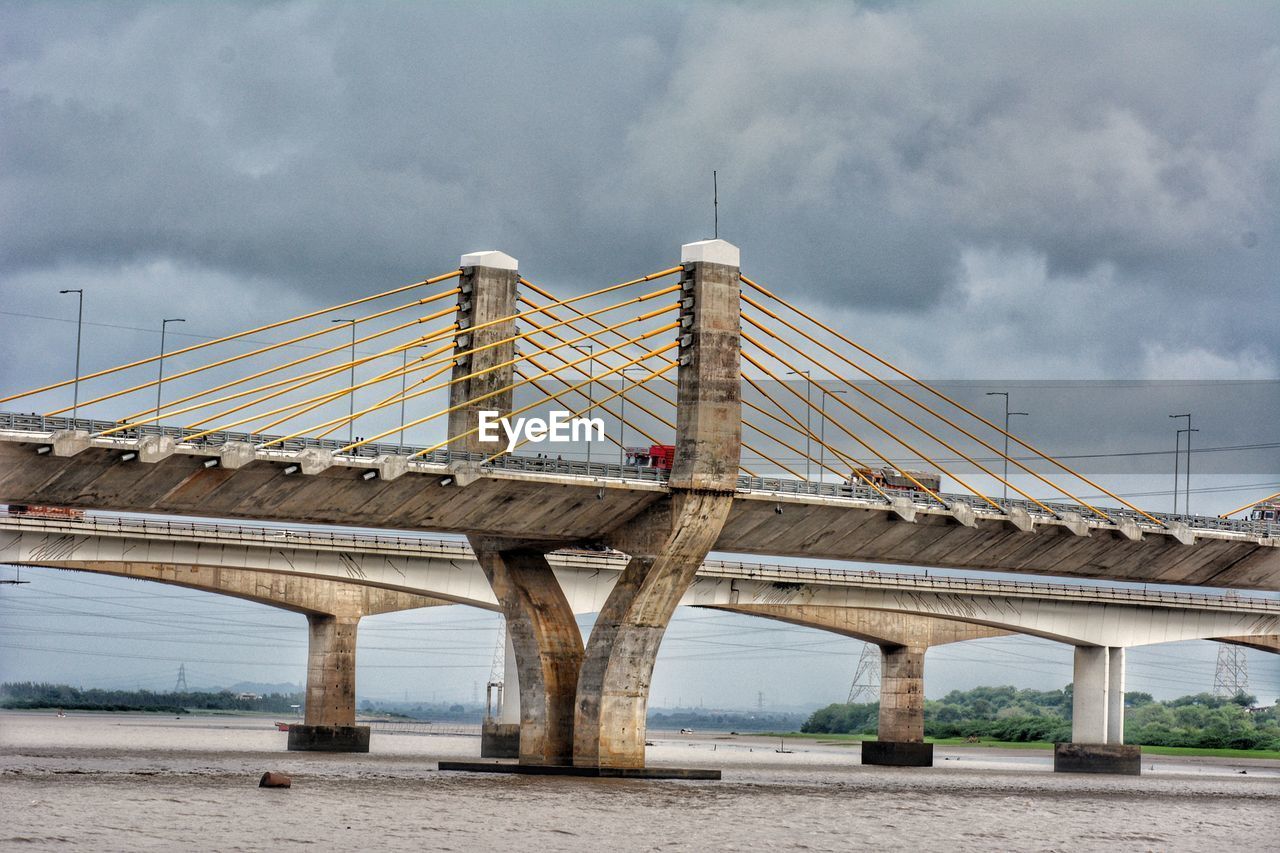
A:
864,153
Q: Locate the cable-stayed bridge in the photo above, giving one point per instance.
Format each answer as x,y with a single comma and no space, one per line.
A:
739,459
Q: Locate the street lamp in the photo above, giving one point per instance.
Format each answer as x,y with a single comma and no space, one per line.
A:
1007,414
1177,446
808,430
622,418
160,378
822,431
591,381
404,370
75,400
351,395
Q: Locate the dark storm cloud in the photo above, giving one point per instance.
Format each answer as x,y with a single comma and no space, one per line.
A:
895,161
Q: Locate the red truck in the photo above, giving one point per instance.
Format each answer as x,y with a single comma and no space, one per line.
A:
60,513
660,456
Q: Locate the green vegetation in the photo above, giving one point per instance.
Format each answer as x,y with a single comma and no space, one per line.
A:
1008,715
32,695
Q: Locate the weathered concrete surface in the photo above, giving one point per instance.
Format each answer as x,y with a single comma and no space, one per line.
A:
298,593
669,545
886,753
1262,644
882,627
306,738
547,643
488,296
1097,758
901,694
499,740
331,670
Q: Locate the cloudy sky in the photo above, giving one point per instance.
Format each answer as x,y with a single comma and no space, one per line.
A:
1050,190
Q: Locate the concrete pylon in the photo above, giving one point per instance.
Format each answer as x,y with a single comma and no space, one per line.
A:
667,545
1097,717
486,301
900,735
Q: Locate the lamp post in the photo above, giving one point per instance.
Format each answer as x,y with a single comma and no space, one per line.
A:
160,378
404,370
75,399
591,382
1177,446
351,395
822,431
622,418
808,429
1007,414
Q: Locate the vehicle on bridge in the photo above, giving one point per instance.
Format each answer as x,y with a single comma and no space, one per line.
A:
61,513
659,456
896,479
1266,511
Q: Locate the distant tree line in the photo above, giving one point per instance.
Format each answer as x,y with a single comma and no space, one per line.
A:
694,718
1008,714
32,695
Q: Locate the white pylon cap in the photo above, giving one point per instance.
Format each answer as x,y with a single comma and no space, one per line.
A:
710,251
496,260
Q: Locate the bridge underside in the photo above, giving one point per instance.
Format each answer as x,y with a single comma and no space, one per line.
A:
558,509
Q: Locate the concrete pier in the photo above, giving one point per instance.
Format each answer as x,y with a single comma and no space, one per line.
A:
1097,717
900,735
329,721
668,543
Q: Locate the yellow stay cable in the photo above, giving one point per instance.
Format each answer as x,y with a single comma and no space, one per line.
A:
1248,505
579,413
473,400
937,415
837,424
489,345
853,463
298,382
899,415
575,328
324,331
535,404
944,397
341,420
236,336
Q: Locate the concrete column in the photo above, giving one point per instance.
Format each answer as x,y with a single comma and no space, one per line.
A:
1115,694
510,685
329,722
500,735
668,544
1089,695
1098,693
900,736
902,694
546,643
488,285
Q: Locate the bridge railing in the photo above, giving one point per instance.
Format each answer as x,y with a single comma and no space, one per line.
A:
763,572
33,423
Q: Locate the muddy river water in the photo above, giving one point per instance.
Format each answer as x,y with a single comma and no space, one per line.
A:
117,782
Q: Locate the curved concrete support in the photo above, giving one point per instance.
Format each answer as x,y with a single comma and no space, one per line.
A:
298,593
1263,644
333,610
882,627
547,644
613,690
